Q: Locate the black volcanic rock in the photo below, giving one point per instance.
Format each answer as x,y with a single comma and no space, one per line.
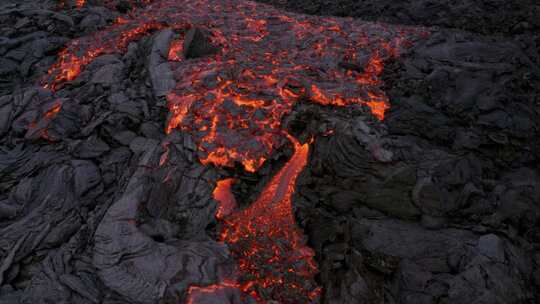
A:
198,44
487,17
437,203
158,66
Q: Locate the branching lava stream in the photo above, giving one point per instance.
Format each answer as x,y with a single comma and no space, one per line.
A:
233,103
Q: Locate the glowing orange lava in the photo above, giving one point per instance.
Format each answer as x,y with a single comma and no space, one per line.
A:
268,60
40,125
175,51
78,3
53,111
222,194
196,292
266,234
70,64
234,101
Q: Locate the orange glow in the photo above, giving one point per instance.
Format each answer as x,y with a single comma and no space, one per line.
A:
53,111
225,198
233,104
121,20
70,64
378,108
78,3
378,105
266,234
47,117
179,107
175,51
195,292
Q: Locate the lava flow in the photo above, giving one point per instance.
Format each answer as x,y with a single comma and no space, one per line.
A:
222,194
233,101
270,249
70,64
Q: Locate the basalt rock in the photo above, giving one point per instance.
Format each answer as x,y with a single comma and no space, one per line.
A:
198,44
438,202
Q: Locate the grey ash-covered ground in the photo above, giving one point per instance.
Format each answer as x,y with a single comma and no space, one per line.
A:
439,203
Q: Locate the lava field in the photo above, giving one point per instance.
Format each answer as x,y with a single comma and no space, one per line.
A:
269,152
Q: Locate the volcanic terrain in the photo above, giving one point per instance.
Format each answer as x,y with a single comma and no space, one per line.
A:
230,151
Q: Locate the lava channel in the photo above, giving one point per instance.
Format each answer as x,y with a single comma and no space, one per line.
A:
270,249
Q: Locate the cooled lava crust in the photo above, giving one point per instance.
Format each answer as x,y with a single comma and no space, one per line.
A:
232,101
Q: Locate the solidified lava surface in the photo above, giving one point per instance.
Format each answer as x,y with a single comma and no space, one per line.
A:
229,152
233,102
268,60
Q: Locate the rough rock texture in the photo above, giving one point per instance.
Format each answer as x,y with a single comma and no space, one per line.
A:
484,16
80,221
32,33
438,203
452,216
197,44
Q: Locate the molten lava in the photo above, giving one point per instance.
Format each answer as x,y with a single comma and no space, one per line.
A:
269,247
70,64
233,102
222,194
194,293
176,50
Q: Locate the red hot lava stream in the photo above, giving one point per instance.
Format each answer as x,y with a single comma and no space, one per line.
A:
233,103
269,247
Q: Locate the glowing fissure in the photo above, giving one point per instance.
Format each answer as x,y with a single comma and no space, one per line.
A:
48,115
233,103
